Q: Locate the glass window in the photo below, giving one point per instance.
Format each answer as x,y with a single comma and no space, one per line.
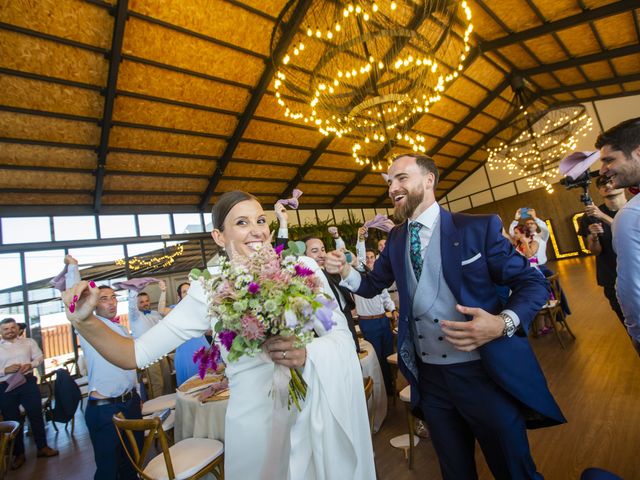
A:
341,216
43,264
11,274
14,311
137,249
115,226
74,228
187,222
97,256
154,224
26,230
326,216
369,214
308,217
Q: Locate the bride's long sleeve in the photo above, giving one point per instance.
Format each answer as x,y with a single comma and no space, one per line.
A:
187,320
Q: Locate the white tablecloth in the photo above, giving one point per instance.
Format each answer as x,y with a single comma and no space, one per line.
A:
371,368
196,420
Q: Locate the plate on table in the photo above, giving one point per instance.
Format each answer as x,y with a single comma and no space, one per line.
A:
196,383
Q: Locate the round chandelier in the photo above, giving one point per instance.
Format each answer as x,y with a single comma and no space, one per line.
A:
366,70
543,139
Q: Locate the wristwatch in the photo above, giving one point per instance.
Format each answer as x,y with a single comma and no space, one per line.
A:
509,325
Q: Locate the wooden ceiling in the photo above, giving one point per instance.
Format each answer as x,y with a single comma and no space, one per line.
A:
149,105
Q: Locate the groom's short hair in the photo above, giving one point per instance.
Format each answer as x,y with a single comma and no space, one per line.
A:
425,162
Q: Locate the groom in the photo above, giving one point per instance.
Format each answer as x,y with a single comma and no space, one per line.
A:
471,369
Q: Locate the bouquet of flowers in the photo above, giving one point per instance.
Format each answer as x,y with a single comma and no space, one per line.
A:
266,294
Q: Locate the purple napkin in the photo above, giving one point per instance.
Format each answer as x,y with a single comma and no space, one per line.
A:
381,222
59,281
135,284
15,380
293,201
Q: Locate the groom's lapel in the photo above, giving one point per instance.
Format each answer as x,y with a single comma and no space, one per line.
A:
451,251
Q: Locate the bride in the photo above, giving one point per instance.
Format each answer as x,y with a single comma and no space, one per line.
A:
328,439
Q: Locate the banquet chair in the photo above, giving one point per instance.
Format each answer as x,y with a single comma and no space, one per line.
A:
368,394
8,431
405,396
159,403
188,459
392,360
553,309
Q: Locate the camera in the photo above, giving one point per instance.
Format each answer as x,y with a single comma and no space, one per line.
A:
583,181
575,168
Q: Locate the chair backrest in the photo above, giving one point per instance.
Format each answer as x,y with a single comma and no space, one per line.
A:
67,395
555,286
138,457
368,393
72,367
8,431
147,383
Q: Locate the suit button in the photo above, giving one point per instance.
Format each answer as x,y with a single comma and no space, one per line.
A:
435,320
440,338
444,355
420,337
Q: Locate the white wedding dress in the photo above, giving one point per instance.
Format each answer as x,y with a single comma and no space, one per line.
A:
328,440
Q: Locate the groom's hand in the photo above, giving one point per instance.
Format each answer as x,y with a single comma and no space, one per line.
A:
481,329
336,262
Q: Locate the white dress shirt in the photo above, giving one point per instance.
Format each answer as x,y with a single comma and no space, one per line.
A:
104,378
140,321
20,351
376,306
626,243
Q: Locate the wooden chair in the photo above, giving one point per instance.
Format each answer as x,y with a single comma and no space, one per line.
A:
553,310
188,459
368,393
407,442
392,360
8,431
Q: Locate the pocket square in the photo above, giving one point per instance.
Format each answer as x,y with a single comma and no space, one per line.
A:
472,259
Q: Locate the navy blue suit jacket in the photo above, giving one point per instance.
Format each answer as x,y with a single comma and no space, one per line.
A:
510,362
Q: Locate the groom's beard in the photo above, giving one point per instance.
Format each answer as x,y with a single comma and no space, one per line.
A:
412,200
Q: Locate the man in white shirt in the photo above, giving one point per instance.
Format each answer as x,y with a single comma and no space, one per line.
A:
376,326
18,357
111,390
143,318
620,156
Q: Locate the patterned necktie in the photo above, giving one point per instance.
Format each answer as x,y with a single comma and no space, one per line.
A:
415,248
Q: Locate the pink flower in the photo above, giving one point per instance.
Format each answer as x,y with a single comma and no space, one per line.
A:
303,271
253,288
279,248
252,329
226,338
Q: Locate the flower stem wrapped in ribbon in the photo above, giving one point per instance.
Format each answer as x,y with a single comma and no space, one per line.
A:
269,293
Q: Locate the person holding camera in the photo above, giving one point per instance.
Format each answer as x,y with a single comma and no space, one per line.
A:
532,223
620,155
595,227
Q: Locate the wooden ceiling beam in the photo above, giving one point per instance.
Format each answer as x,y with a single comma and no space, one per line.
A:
267,75
583,60
115,57
614,8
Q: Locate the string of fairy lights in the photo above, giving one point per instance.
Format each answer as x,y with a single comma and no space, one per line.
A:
372,74
162,261
541,144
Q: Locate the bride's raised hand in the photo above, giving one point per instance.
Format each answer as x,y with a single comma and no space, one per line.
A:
81,300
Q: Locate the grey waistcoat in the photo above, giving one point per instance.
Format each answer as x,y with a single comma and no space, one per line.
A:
432,300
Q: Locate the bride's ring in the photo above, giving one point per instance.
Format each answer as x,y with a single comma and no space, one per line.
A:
284,355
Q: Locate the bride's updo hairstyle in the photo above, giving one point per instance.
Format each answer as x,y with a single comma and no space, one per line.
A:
224,205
